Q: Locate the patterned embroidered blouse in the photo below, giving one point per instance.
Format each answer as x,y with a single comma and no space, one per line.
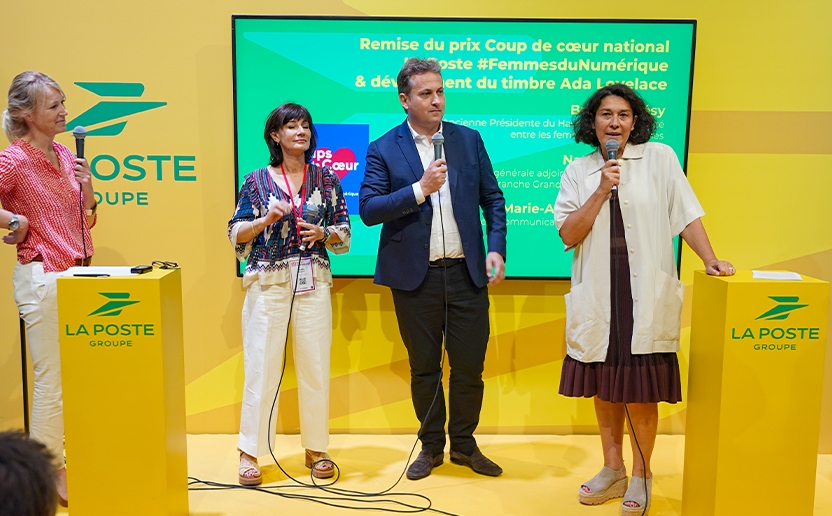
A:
269,254
30,185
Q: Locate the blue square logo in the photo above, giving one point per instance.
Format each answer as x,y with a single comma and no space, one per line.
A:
342,148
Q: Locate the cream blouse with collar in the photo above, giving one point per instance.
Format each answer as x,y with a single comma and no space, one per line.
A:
657,203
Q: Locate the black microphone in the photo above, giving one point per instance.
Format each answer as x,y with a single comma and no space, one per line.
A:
79,133
612,153
310,212
437,140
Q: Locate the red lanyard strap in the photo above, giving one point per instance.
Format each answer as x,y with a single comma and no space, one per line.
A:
298,211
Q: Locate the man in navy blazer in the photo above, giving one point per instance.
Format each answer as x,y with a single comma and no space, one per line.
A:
432,256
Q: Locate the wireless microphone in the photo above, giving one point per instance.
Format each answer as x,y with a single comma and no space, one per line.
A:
79,133
612,153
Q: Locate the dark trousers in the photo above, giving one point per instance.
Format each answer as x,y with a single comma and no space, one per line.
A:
421,316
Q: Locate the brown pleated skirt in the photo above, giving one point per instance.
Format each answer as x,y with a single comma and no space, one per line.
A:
622,377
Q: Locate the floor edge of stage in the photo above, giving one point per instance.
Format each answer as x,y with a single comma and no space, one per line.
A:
542,474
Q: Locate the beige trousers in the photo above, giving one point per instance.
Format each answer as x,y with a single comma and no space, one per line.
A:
265,317
37,300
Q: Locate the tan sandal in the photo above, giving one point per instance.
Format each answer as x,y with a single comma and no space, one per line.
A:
320,463
606,485
247,466
636,495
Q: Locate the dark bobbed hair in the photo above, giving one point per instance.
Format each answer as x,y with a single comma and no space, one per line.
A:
27,477
583,122
282,115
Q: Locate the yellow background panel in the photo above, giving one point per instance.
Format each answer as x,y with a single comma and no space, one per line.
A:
764,209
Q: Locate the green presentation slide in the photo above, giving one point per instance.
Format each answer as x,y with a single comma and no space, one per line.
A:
518,82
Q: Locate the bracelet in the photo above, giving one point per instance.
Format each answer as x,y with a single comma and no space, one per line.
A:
327,234
254,232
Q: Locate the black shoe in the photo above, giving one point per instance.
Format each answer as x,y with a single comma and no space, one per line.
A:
425,462
478,462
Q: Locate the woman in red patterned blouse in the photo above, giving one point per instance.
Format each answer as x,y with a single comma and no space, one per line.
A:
49,207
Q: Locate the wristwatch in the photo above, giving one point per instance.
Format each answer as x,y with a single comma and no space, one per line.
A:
327,234
14,223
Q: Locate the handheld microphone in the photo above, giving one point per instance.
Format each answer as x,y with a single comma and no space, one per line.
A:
612,153
437,140
310,212
79,133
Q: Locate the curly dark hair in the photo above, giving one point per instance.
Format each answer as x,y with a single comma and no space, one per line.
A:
583,122
27,477
282,115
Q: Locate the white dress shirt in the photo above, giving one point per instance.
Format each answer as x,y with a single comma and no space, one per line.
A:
657,203
452,247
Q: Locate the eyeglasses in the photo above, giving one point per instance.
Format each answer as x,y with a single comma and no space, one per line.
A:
164,265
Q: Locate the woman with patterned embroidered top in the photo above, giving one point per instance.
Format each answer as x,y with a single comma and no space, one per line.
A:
623,313
288,267
49,207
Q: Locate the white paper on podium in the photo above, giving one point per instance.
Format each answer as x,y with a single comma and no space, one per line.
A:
776,275
103,271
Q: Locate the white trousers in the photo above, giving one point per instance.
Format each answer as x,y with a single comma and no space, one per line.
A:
265,317
37,300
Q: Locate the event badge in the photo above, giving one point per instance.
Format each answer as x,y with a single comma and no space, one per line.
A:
303,280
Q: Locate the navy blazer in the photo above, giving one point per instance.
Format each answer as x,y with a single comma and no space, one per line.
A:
386,197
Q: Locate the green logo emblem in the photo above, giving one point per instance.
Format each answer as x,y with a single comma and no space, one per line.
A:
785,306
107,110
117,301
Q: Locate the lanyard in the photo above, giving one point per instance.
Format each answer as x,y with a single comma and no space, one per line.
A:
298,214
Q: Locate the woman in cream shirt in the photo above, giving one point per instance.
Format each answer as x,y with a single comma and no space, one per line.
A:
624,309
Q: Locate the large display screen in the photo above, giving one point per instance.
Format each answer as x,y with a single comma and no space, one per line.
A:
517,82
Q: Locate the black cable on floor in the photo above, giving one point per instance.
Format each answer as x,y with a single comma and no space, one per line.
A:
364,499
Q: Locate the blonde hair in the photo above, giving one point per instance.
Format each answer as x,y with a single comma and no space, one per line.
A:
27,89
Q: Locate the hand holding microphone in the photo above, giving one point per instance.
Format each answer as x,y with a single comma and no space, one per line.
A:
310,232
437,172
83,174
610,174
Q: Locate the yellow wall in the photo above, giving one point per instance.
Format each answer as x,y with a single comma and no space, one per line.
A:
760,162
